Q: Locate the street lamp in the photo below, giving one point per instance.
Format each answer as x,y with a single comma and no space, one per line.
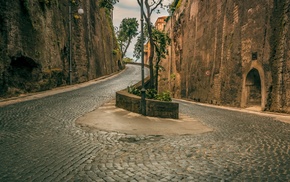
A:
80,12
143,101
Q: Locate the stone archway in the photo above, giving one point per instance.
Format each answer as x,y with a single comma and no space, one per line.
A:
253,88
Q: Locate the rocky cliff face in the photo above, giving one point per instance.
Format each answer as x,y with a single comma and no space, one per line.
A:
230,53
34,44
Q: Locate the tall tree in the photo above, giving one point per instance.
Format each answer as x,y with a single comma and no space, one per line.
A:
139,42
128,29
160,40
150,7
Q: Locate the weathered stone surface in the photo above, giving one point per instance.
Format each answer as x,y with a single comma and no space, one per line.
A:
34,44
154,108
230,52
162,109
39,141
128,101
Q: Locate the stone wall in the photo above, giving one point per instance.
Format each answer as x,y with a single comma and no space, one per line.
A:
128,101
34,44
231,52
162,109
154,108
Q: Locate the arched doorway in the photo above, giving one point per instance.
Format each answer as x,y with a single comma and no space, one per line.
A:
253,88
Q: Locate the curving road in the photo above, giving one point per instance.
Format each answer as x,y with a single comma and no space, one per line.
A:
40,142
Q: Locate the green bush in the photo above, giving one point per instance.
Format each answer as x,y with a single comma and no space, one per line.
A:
115,51
151,94
133,90
164,96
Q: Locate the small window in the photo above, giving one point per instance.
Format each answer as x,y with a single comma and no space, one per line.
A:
254,56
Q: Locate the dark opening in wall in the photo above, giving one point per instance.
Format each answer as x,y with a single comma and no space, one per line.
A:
254,56
23,73
253,84
23,63
22,68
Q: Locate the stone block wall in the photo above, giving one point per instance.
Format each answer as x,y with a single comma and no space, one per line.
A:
233,53
154,108
128,101
162,109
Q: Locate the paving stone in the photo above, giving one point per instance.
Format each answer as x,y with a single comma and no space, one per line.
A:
39,141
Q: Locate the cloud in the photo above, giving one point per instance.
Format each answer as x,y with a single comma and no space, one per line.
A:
125,9
128,4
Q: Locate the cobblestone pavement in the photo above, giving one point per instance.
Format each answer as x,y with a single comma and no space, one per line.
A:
40,142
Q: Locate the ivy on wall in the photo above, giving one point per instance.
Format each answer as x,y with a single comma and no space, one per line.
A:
175,5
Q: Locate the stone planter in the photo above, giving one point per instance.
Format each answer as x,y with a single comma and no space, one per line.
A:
154,108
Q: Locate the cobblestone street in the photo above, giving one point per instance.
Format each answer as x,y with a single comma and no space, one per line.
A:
39,141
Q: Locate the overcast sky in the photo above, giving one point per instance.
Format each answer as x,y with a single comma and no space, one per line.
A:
131,9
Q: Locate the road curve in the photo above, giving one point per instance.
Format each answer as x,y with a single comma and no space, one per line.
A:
39,141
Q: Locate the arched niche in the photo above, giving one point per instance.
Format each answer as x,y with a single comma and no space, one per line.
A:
253,87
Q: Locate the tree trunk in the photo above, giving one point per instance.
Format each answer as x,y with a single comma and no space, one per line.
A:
151,56
156,77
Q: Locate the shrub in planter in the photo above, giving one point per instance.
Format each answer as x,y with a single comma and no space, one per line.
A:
133,90
151,94
164,96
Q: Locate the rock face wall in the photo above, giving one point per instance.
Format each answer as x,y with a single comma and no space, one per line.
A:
230,52
34,44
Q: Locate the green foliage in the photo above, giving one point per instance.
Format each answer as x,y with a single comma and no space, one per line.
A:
139,42
178,4
108,4
127,30
161,41
164,96
127,60
151,94
174,5
115,51
26,4
150,6
173,76
138,47
134,90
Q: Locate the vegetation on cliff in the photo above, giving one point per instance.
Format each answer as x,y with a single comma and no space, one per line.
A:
34,44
